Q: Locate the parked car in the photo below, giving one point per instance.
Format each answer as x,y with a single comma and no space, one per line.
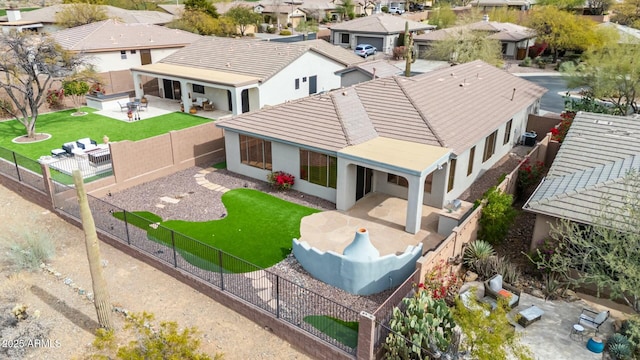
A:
396,10
416,7
365,50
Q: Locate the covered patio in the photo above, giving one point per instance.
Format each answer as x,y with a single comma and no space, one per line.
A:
158,106
382,215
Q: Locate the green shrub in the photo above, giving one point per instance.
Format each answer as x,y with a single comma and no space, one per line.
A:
497,216
526,62
385,9
631,329
477,250
285,32
567,66
31,251
486,268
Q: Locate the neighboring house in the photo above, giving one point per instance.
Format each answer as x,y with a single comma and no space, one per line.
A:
241,75
113,45
44,19
367,71
515,39
379,30
320,10
284,13
628,35
425,139
590,166
488,5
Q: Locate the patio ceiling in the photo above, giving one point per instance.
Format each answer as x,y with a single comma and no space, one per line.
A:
404,156
200,75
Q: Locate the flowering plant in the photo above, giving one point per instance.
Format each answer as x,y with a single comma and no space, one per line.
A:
281,180
529,174
439,281
559,132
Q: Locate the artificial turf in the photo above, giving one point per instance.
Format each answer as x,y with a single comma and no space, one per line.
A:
345,332
258,229
66,128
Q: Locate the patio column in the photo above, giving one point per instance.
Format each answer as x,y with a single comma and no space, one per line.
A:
236,100
137,85
345,185
186,95
414,203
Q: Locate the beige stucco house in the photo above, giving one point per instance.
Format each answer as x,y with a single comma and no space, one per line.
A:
425,139
589,168
380,30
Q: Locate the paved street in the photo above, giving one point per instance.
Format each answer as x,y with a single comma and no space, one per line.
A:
553,100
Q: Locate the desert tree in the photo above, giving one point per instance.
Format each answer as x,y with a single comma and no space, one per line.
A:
243,17
442,17
613,74
605,253
102,301
201,5
77,14
627,13
307,26
28,65
463,45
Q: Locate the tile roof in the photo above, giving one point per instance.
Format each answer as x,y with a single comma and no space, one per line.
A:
381,68
453,108
48,15
501,31
113,34
594,157
380,24
261,59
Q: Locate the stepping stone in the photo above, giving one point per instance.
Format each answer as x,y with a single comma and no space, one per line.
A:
169,200
265,295
161,206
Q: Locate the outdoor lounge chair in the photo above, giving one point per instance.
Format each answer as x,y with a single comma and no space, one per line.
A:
496,288
71,148
592,319
123,107
86,144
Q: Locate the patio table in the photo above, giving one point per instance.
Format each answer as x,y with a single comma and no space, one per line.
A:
530,315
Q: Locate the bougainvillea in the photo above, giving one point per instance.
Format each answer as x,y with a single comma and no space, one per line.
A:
281,180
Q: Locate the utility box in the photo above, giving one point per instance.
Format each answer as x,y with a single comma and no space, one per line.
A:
529,138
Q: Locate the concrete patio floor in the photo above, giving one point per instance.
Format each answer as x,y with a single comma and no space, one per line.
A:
382,215
549,337
157,107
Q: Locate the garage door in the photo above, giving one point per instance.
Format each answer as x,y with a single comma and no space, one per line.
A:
375,41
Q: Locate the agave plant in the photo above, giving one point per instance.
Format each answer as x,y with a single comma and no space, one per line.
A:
620,351
477,250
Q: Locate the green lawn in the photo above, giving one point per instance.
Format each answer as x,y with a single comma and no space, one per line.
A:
66,128
346,332
258,228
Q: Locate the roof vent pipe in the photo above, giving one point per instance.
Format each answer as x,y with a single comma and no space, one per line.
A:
514,94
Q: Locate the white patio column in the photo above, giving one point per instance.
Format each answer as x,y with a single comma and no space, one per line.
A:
345,185
185,90
236,100
414,203
137,85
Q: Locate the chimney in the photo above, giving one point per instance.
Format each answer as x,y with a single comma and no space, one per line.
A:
13,14
485,17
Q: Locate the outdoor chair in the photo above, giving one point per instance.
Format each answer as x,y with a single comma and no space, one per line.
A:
71,148
143,106
592,319
123,107
86,144
496,288
207,106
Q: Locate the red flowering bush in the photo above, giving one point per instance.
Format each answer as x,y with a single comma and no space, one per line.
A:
55,98
529,174
281,180
559,132
439,281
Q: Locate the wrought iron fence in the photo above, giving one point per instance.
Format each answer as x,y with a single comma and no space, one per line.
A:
324,318
21,168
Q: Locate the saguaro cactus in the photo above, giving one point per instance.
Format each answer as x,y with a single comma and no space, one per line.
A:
408,46
102,301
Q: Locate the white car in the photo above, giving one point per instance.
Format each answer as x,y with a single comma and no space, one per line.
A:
396,10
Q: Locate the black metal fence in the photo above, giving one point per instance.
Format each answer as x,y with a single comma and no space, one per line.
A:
21,168
324,318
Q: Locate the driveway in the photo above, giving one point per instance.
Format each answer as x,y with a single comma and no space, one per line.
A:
553,100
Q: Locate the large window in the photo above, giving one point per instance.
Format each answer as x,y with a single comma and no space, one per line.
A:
489,146
344,38
255,152
472,158
507,132
401,181
198,89
123,54
319,169
452,174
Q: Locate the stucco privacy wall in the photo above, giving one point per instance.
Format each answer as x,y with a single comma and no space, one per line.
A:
355,275
137,162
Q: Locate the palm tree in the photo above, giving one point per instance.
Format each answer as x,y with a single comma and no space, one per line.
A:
347,9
